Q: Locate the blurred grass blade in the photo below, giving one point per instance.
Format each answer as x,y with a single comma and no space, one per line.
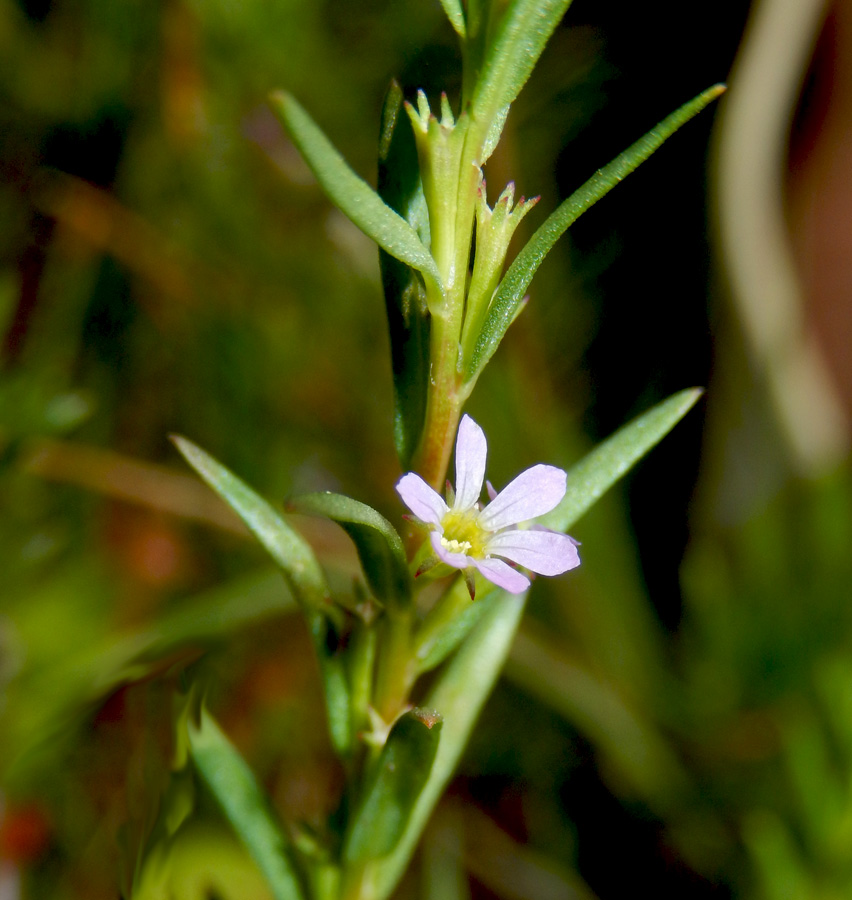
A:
234,786
444,870
459,693
598,471
379,546
633,748
220,612
509,868
42,710
355,198
513,287
402,770
521,36
455,14
302,572
773,849
399,185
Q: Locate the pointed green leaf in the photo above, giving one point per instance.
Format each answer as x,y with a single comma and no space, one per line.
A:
338,706
389,799
514,285
234,786
379,546
597,472
521,36
399,185
283,544
355,198
455,14
302,572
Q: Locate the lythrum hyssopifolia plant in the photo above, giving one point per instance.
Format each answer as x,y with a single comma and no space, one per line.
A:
450,300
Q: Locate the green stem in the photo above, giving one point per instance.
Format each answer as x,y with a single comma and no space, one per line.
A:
444,400
325,881
396,665
359,882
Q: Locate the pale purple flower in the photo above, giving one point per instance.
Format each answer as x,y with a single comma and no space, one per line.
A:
467,534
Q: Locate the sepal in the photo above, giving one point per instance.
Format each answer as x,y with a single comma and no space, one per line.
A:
440,149
494,230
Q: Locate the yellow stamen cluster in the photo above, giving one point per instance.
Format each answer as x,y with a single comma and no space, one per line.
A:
463,533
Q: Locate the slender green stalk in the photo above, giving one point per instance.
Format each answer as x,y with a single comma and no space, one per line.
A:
395,664
325,882
445,399
360,882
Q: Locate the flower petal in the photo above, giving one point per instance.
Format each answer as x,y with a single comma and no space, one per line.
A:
471,451
545,552
427,504
502,574
456,560
533,493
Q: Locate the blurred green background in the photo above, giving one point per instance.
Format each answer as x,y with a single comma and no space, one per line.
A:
676,714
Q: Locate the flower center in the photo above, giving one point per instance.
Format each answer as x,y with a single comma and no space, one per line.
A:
463,533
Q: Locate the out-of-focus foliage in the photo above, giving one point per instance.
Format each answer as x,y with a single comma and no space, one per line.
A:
168,264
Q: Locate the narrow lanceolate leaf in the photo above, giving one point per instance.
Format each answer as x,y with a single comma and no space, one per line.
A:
514,285
521,35
355,198
284,545
389,799
600,469
455,14
234,786
400,186
302,572
379,546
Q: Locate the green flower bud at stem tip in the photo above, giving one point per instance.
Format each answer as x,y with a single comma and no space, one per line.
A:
440,147
494,230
